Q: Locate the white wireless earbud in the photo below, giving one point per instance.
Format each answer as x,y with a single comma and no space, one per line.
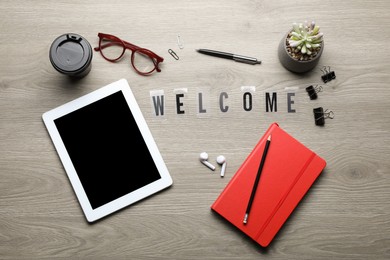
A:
222,161
203,159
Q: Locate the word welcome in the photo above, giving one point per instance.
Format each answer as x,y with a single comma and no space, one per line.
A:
271,102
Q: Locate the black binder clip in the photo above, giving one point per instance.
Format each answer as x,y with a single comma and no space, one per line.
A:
320,115
312,91
328,74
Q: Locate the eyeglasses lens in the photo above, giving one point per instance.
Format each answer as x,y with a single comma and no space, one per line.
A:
111,50
142,62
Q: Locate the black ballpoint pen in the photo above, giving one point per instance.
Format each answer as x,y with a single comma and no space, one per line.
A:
230,56
256,183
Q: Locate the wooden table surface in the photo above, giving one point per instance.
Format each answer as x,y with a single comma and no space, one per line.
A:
346,213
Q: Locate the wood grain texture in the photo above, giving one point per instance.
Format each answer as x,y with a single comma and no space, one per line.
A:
346,214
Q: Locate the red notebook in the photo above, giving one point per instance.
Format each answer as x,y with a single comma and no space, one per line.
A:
289,170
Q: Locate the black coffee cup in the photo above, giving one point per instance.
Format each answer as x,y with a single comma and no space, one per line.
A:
71,54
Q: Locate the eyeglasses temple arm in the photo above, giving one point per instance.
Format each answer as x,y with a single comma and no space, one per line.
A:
102,46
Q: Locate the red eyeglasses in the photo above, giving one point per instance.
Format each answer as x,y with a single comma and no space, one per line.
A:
143,60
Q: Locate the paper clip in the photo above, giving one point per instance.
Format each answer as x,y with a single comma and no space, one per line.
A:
312,91
179,42
320,115
173,54
328,74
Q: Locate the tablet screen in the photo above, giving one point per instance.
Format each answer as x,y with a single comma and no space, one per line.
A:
107,150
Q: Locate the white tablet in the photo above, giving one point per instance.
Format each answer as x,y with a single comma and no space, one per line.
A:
107,150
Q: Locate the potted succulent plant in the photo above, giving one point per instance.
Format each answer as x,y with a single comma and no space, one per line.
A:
301,48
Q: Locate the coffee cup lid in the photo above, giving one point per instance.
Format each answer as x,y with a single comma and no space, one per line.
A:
70,53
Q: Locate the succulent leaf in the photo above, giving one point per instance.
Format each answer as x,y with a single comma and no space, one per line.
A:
303,50
296,35
315,30
294,43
